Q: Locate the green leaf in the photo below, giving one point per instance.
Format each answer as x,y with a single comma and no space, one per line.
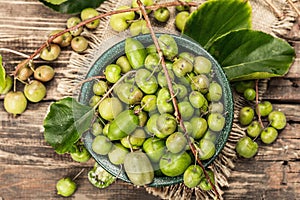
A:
56,2
2,74
217,17
65,123
72,6
249,54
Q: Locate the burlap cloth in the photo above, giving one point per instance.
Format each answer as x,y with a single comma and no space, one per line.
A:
277,22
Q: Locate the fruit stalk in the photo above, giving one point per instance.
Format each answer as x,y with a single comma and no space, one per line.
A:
256,104
77,175
52,37
170,87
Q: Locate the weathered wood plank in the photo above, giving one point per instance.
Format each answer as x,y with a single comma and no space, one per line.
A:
253,179
295,69
283,90
29,167
34,182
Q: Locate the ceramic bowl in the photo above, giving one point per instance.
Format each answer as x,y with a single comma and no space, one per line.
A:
184,44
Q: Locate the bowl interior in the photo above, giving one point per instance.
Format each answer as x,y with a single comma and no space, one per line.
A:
184,44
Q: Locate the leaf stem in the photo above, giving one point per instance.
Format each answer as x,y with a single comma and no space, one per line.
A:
171,90
52,37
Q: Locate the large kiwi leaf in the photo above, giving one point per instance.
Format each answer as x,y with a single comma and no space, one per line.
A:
249,54
65,123
215,18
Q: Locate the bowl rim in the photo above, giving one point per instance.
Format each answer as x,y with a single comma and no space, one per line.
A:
115,51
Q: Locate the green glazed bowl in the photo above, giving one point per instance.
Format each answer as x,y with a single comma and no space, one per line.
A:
184,44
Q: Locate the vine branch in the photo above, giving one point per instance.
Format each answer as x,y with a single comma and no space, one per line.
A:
52,37
174,100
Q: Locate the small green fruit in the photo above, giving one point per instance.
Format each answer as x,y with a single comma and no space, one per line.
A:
66,39
73,21
15,102
264,108
207,149
254,129
174,164
183,7
134,4
35,91
241,86
277,119
79,44
138,168
176,142
120,22
100,87
50,52
65,187
25,70
139,27
246,115
44,73
192,176
81,154
88,13
181,19
162,14
204,183
250,94
101,145
268,135
246,147
216,121
109,108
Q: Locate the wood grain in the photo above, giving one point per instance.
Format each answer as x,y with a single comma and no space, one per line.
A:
29,167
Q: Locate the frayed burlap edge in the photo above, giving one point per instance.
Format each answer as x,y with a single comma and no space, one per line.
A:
101,39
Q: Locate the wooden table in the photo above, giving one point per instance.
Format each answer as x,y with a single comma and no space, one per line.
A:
29,168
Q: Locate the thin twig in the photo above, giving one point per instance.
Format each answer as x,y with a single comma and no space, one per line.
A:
78,174
14,52
256,104
88,80
294,7
174,100
52,37
276,11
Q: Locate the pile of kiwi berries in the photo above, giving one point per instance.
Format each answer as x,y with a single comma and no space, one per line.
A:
272,121
137,25
34,78
136,124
